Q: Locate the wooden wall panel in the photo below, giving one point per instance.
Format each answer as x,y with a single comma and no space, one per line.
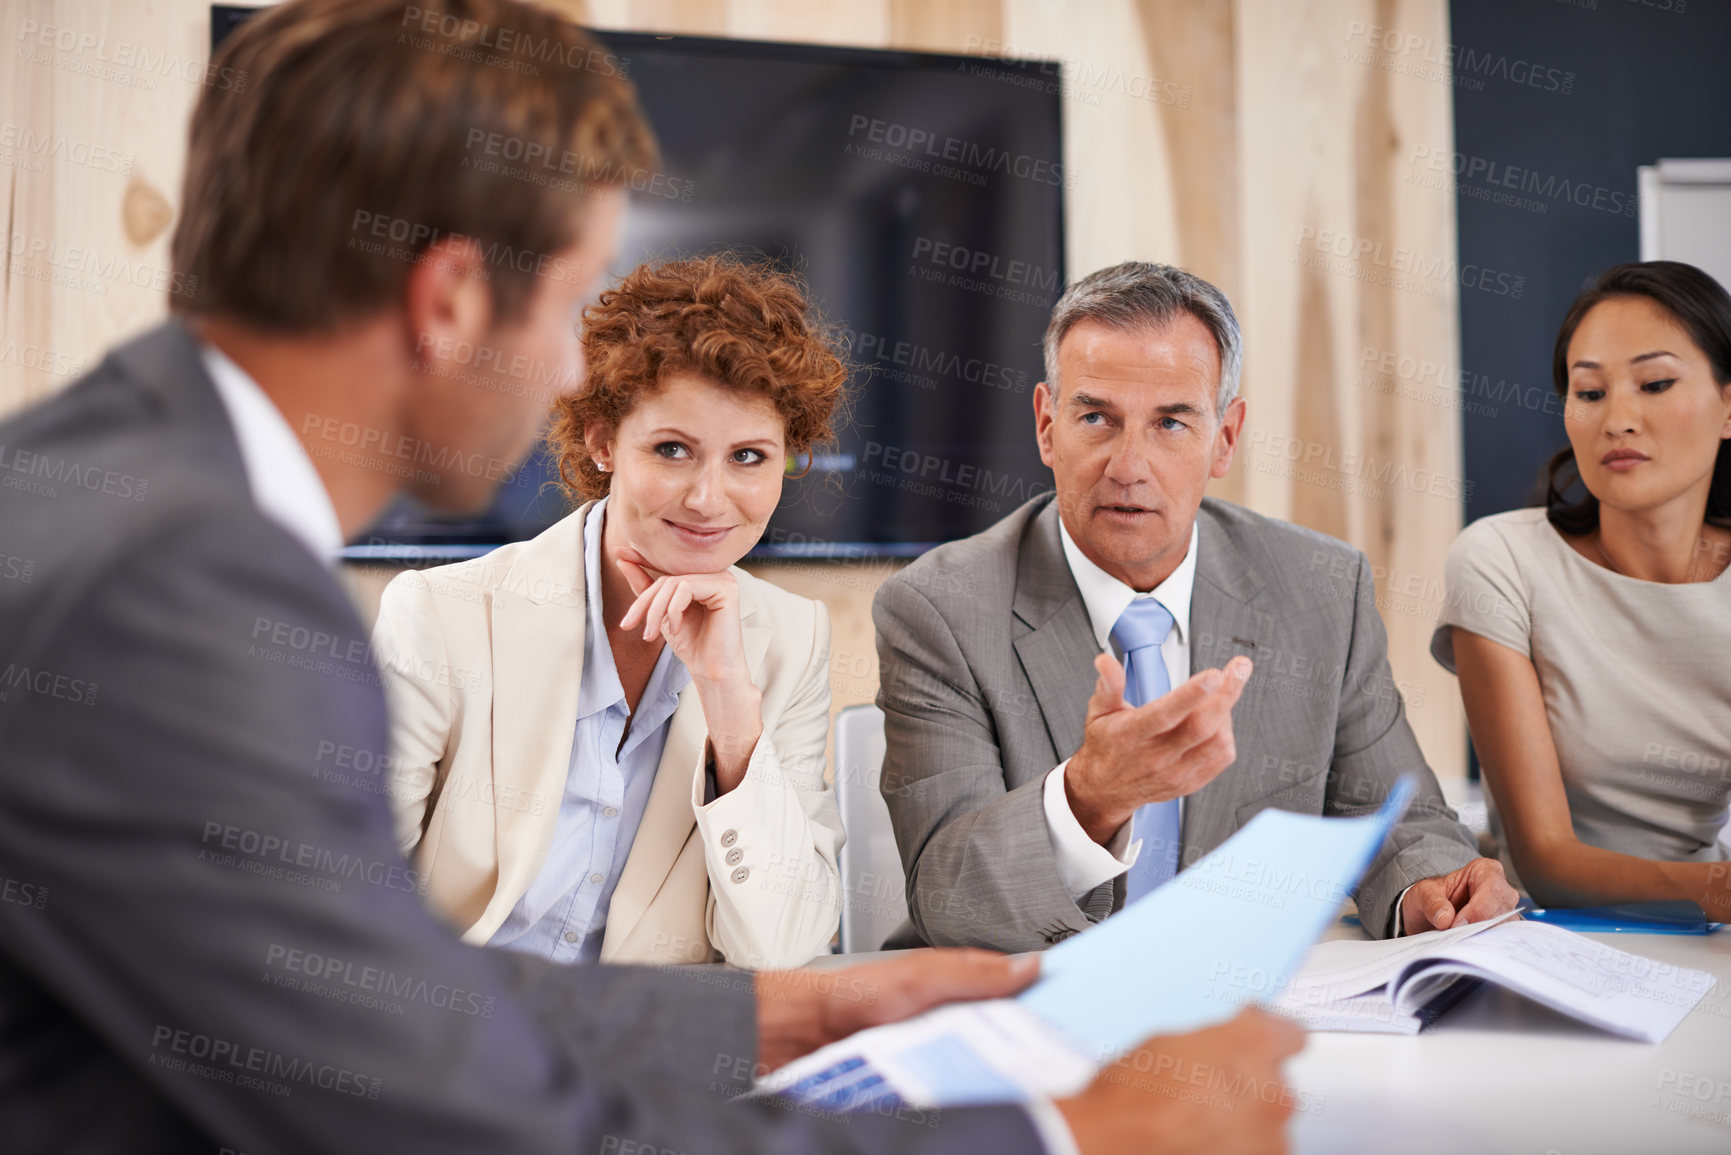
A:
690,17
76,277
1191,49
1410,538
865,23
1345,264
952,26
1250,140
1118,175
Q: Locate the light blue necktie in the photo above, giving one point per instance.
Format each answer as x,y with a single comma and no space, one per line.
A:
1140,631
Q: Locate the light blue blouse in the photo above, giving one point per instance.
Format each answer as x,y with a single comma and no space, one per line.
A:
563,914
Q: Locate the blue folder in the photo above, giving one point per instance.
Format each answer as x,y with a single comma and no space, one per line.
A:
1667,917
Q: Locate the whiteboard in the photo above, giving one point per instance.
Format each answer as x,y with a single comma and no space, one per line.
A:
1686,214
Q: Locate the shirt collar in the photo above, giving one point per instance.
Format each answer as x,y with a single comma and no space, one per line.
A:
284,483
601,689
1106,598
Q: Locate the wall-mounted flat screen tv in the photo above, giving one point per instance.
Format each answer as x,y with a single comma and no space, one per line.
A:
921,197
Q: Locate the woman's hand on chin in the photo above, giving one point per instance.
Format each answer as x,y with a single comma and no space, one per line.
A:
698,615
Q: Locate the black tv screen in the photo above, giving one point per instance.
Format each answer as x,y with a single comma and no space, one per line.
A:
921,197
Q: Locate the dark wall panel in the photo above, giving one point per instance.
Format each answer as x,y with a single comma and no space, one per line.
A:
1556,103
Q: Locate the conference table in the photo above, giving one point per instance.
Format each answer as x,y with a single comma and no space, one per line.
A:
1501,1074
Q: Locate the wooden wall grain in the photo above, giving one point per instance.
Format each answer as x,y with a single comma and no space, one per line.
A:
1265,144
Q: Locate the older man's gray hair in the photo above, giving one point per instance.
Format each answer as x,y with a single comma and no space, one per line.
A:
1142,294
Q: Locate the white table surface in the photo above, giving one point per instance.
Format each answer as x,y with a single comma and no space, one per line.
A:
1501,1074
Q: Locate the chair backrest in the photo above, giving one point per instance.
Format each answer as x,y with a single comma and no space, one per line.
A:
873,888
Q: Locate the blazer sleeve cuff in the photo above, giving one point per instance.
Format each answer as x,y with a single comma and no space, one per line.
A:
1397,925
1380,893
1083,864
772,866
764,771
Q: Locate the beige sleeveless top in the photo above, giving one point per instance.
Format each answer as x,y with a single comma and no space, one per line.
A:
1636,678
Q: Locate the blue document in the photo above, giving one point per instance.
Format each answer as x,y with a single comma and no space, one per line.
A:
1229,930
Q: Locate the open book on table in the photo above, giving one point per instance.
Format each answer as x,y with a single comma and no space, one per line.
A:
1403,985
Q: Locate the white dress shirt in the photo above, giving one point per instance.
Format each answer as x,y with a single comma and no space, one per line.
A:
1083,863
284,483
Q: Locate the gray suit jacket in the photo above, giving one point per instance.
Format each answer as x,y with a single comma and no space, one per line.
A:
207,936
985,657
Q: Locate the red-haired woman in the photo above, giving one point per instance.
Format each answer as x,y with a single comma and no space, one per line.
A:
608,741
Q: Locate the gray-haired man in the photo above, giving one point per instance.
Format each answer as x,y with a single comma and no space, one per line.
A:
1035,782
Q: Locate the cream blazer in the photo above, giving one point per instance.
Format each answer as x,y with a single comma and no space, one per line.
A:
482,661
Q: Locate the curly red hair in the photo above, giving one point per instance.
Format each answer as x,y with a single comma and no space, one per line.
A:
745,325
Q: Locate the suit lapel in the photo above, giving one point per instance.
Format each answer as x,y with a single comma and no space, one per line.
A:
539,620
755,627
1224,622
670,815
1057,654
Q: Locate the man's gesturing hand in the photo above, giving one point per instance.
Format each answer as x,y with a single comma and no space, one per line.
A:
1212,1092
1167,748
799,1011
1473,893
